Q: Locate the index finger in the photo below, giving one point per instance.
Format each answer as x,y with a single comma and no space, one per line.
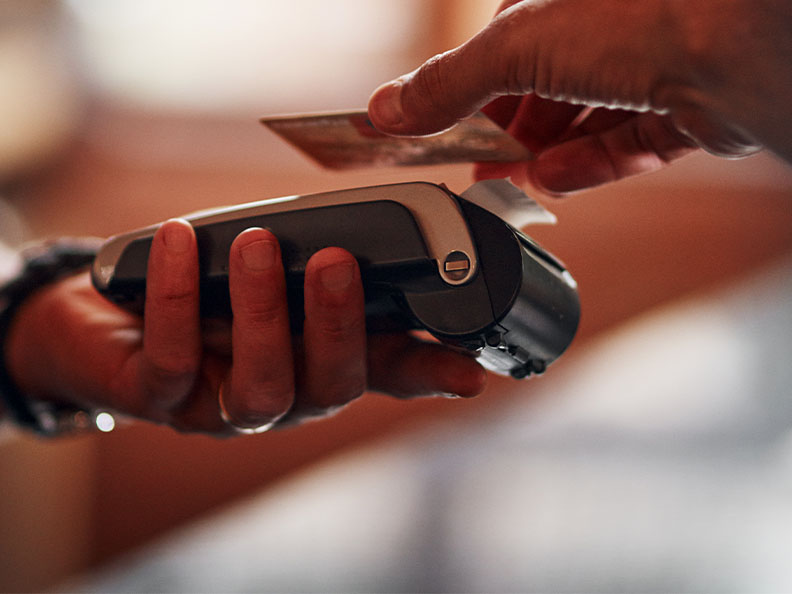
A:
171,328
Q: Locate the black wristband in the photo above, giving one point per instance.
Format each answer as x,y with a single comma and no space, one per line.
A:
43,264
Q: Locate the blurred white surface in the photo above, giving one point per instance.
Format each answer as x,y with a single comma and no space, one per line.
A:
41,100
243,56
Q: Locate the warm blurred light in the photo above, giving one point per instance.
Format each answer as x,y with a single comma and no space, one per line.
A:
243,56
40,102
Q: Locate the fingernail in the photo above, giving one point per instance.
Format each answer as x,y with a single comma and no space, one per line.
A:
385,107
258,255
177,236
337,277
251,424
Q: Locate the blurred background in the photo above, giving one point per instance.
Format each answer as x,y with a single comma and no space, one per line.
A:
117,114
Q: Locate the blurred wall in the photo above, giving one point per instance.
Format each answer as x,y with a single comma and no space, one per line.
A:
152,142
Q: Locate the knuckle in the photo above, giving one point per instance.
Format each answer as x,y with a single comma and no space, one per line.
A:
338,330
262,313
175,295
515,63
514,69
523,74
173,367
169,380
429,83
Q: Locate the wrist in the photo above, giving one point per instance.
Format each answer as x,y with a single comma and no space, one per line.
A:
25,345
23,335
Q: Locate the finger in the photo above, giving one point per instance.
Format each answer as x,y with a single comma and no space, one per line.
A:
539,122
502,110
497,62
536,123
713,134
449,86
334,332
216,336
506,4
261,384
516,171
430,99
200,413
405,366
171,332
600,120
641,144
541,47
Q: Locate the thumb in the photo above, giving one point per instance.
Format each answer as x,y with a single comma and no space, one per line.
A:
444,90
556,49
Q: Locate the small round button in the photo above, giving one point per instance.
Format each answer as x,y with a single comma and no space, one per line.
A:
456,266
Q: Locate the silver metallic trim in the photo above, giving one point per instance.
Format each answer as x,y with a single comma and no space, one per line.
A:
436,212
510,203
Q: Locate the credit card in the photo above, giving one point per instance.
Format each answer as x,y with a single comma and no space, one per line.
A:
348,140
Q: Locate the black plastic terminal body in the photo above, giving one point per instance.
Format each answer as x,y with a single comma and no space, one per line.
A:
519,311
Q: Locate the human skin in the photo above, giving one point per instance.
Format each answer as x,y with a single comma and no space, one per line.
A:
68,344
604,89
